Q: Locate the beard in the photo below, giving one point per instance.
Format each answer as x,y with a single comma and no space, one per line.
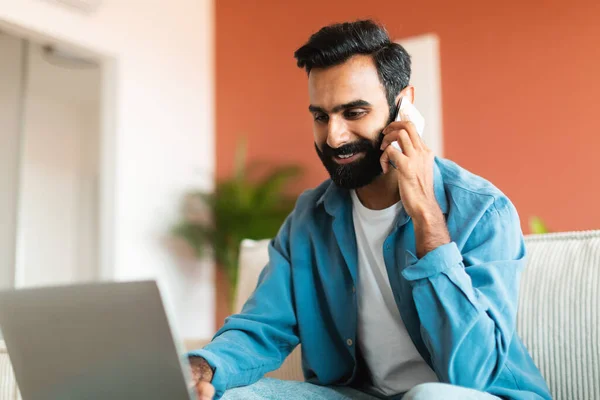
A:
358,173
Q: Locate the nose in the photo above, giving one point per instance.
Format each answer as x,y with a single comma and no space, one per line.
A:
337,133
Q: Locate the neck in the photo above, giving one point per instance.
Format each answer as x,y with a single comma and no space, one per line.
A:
382,193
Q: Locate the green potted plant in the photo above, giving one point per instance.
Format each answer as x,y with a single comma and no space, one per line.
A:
243,206
537,225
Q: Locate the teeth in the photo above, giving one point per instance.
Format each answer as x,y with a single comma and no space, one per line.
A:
346,155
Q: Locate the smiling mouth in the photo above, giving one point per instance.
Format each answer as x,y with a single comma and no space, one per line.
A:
347,158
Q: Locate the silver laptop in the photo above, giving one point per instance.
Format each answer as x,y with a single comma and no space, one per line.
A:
92,341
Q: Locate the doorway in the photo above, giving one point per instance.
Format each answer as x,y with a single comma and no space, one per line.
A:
50,147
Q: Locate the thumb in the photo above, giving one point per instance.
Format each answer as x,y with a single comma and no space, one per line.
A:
205,390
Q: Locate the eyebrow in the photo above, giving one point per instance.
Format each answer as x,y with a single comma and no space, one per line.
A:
338,108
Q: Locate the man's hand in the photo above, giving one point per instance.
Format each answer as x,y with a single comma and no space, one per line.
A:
202,375
414,169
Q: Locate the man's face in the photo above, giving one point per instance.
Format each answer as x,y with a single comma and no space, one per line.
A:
350,110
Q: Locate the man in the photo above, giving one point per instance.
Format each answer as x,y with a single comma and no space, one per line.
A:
400,282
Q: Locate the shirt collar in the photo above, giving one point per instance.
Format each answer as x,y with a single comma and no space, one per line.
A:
334,197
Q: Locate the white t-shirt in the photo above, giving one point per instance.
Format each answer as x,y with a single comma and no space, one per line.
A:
394,362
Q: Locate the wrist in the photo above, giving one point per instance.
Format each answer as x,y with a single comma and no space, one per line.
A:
201,369
428,217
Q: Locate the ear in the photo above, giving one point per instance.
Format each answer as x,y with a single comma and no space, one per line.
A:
408,92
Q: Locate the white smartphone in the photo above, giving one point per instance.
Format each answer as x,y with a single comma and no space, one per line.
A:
408,112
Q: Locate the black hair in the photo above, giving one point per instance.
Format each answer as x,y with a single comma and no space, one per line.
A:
335,44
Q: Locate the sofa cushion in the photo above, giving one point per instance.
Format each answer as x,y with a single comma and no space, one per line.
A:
254,255
559,311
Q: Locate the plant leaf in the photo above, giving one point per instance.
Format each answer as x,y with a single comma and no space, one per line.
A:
196,236
270,189
241,207
537,225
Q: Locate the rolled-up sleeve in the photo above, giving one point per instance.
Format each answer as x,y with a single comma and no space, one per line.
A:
467,299
258,339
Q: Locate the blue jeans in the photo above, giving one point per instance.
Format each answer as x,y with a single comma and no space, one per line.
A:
268,388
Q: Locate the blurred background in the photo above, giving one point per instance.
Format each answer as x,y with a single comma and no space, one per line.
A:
114,112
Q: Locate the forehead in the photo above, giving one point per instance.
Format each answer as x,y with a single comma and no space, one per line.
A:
353,80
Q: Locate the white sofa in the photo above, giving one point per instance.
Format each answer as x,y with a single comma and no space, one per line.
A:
559,313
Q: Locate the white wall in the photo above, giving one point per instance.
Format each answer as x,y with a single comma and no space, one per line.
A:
164,140
10,88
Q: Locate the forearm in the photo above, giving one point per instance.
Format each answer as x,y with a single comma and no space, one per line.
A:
243,351
431,231
260,337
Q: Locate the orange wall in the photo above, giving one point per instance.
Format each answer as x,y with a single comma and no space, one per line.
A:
520,84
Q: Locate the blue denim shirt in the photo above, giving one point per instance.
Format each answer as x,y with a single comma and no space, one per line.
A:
458,302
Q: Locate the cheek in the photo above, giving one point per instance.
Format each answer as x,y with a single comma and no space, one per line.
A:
366,129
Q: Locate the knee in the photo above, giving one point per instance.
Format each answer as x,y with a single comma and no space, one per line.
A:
426,391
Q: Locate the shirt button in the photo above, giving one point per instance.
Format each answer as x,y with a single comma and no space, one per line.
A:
349,342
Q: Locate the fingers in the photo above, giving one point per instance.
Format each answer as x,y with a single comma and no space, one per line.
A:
205,390
403,140
395,156
410,139
415,138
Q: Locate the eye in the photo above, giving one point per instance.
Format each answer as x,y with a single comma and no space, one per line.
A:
321,117
354,114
